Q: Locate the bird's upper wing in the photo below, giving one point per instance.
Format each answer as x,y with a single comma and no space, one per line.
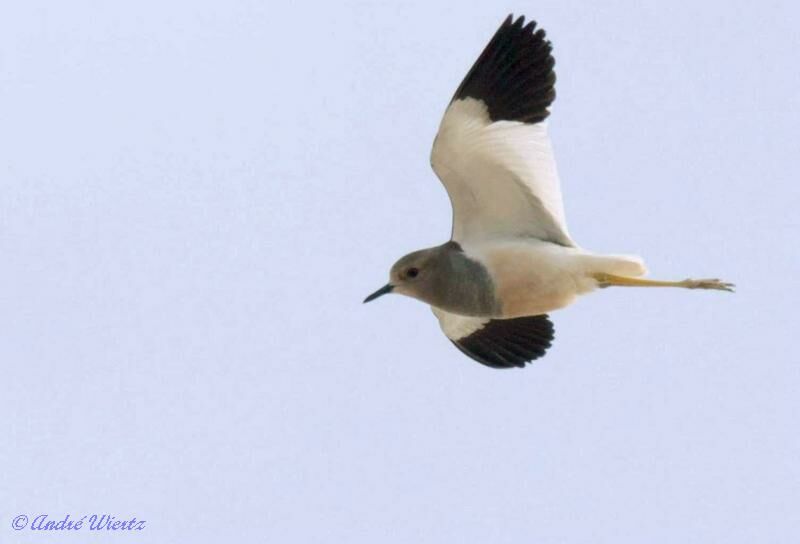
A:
492,151
498,343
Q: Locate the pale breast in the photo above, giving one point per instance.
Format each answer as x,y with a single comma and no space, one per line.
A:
531,278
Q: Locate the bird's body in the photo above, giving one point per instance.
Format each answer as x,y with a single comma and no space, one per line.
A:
503,279
510,259
534,277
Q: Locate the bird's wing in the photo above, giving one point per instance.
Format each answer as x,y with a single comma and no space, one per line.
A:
492,151
498,343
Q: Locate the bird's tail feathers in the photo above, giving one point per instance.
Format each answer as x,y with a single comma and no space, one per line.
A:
619,265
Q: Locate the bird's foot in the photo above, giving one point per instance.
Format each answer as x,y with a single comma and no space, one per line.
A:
714,283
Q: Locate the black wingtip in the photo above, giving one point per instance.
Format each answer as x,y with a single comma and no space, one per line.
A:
514,74
509,343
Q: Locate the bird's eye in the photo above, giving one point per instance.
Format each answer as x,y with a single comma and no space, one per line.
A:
412,272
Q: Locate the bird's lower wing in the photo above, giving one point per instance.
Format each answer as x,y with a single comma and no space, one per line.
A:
498,343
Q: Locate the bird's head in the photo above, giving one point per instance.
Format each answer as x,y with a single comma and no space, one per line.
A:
412,275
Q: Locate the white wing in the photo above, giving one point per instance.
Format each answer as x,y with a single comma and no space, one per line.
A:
492,151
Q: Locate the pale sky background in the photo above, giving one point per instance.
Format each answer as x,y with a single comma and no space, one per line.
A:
196,196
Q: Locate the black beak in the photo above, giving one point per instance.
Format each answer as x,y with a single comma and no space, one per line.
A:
382,291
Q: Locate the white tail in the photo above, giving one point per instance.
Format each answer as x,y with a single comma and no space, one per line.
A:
619,265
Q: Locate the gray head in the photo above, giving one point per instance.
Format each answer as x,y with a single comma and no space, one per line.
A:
414,275
443,276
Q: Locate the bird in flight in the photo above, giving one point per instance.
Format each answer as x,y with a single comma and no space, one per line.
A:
510,259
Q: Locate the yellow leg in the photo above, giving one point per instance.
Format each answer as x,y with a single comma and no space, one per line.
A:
609,280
